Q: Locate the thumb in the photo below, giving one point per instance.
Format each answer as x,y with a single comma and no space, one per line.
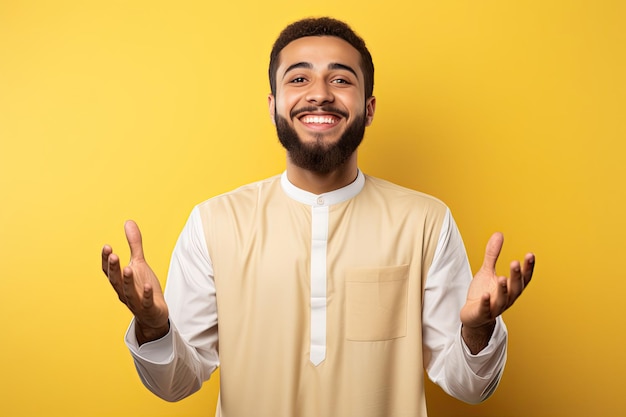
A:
133,236
492,251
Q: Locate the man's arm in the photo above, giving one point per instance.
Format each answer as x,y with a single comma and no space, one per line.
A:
175,365
448,358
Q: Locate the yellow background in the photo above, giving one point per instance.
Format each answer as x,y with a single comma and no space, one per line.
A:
510,111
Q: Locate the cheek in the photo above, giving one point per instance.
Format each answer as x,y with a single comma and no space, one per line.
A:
356,102
290,96
284,105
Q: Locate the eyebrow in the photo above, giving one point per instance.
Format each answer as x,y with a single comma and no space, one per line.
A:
331,66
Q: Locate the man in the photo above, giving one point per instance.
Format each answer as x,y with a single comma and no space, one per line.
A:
327,290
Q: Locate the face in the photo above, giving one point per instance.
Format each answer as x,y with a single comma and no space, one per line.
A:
320,109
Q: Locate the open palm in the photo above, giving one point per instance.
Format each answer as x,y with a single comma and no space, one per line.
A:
137,287
490,295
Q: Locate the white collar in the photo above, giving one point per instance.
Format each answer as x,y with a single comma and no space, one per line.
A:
325,199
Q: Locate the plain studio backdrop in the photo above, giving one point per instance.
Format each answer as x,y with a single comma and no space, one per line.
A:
512,112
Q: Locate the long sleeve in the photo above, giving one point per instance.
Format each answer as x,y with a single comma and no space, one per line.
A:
176,365
448,361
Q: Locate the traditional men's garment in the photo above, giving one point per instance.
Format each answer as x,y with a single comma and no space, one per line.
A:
323,305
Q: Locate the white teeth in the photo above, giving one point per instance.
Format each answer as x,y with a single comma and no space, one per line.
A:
318,120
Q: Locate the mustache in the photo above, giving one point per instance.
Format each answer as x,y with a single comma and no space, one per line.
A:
313,109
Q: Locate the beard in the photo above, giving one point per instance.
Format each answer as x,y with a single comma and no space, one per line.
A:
320,157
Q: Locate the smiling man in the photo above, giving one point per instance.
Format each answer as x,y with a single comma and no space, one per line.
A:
320,107
326,290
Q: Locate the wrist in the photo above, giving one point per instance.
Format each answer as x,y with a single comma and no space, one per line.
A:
477,338
146,334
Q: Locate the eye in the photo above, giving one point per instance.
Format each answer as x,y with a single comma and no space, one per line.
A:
298,80
340,81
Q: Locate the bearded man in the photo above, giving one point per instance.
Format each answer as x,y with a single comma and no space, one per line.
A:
327,291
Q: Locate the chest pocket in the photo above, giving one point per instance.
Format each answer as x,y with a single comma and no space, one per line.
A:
376,303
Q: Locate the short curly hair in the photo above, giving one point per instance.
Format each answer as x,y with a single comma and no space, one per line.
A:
322,26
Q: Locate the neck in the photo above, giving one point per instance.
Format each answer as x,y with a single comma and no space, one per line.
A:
317,183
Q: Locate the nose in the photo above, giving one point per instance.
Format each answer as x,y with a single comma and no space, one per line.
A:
319,93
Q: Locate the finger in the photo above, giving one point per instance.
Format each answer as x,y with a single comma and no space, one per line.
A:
128,287
113,268
114,274
133,236
529,267
484,310
501,299
106,252
492,251
148,296
516,282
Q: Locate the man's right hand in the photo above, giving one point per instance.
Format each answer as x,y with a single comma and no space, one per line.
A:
138,287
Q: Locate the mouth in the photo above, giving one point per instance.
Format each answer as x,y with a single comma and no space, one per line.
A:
319,119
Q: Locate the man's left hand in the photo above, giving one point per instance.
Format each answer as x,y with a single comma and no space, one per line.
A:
490,295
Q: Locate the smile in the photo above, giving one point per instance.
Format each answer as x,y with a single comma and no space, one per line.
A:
329,120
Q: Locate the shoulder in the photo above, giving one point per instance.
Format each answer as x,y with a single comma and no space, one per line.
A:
244,194
392,192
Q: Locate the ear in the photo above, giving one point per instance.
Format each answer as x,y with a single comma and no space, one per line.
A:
370,108
271,102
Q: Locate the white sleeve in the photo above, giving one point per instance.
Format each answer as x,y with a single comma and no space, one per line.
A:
448,361
176,365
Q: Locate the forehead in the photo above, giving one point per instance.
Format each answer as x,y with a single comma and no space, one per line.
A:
320,51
